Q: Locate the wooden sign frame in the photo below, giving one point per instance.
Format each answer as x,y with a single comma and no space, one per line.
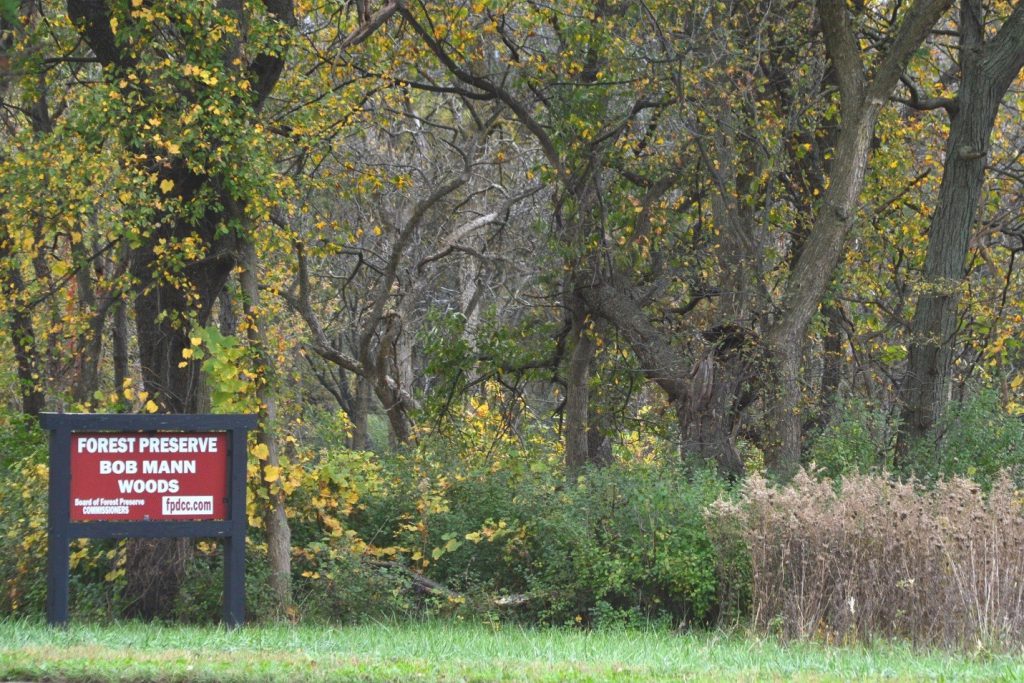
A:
62,530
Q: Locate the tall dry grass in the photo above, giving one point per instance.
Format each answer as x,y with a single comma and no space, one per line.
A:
881,558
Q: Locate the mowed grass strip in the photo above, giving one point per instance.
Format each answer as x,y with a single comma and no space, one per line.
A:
444,651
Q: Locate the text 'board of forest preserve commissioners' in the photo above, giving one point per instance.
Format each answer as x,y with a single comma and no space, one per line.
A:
124,476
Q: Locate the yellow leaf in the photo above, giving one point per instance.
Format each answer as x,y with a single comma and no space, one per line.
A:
151,407
172,148
260,451
271,473
166,185
113,25
186,353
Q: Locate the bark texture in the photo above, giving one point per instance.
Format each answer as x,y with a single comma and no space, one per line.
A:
987,69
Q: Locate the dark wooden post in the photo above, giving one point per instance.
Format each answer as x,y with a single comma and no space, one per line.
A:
234,543
58,563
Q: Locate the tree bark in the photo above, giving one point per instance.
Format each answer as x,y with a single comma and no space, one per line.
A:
360,414
119,344
89,342
831,366
279,535
861,101
26,356
154,570
987,71
577,396
163,313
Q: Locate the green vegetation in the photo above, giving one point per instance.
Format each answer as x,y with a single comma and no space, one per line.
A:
588,314
452,651
471,525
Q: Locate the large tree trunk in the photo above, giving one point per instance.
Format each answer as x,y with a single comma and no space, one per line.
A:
810,278
119,344
987,70
706,421
861,101
156,567
26,356
360,414
831,368
171,297
575,431
279,535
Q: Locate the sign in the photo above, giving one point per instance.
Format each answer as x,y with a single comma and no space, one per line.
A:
148,476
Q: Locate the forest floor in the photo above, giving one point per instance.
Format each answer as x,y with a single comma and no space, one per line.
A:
455,651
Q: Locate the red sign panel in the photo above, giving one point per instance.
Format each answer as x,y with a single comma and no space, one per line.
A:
172,476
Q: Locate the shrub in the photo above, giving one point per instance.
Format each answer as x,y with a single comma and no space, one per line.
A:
624,544
627,543
24,478
855,442
496,521
201,600
976,439
878,558
337,583
23,496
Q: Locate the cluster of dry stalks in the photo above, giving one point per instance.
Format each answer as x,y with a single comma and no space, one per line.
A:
879,558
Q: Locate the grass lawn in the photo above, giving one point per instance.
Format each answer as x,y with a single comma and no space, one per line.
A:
442,651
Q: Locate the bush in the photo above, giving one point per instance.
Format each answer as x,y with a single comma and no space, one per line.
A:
879,558
623,544
337,584
855,442
976,439
626,544
23,497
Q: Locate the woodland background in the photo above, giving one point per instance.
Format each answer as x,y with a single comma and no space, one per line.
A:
521,289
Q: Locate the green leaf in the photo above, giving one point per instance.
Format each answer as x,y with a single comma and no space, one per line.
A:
9,10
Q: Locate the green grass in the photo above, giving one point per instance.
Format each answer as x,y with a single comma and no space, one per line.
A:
442,651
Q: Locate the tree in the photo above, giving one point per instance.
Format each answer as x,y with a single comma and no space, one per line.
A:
425,196
592,103
185,108
987,68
